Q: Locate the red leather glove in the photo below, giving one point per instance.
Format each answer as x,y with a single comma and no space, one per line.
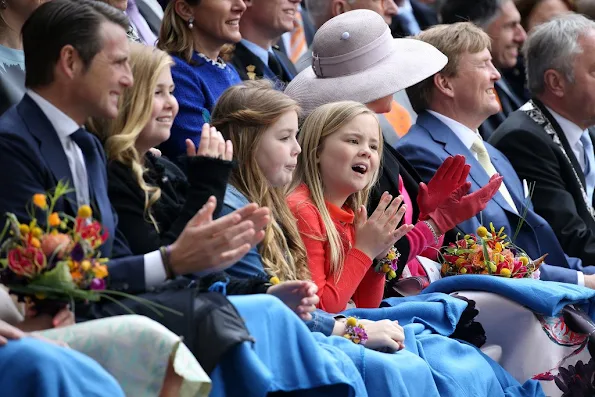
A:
450,176
460,206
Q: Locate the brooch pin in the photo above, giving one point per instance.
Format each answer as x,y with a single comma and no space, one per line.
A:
250,69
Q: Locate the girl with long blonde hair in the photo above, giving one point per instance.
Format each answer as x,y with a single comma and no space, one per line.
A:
342,147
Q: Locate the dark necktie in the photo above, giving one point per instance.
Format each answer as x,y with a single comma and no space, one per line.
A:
97,184
275,66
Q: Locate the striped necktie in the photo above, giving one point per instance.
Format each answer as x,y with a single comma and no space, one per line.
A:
297,41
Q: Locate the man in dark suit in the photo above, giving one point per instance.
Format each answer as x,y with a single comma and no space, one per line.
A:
262,25
501,20
548,140
452,104
413,17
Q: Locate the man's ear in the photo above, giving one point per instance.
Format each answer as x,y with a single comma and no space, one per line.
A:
442,83
69,63
555,82
183,9
338,7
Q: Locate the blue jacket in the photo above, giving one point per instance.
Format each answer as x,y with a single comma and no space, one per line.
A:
251,264
429,142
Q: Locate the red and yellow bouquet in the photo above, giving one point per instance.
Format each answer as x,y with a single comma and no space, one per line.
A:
55,258
488,252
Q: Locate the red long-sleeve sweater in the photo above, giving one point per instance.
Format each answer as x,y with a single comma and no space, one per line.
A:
358,281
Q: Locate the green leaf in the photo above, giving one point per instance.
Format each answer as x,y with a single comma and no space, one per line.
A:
57,277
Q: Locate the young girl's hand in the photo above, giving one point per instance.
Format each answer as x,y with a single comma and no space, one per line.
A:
299,296
375,235
211,144
384,335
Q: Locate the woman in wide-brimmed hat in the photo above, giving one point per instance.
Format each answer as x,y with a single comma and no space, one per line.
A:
356,58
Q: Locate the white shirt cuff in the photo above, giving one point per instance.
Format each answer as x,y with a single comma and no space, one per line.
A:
154,269
580,279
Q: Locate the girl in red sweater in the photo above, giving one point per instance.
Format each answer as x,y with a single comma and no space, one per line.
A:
341,154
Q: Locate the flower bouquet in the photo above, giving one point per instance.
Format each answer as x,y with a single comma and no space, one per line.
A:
55,259
488,252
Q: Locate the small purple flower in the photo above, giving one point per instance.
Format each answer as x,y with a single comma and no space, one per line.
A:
78,253
361,334
97,284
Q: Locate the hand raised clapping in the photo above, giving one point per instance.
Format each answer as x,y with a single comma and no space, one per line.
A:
211,144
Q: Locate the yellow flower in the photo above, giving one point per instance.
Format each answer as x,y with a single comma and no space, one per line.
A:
85,212
351,321
391,255
85,265
482,231
54,219
524,260
463,270
71,264
40,200
505,272
37,232
100,271
35,242
24,229
493,267
498,247
459,262
385,268
275,280
392,274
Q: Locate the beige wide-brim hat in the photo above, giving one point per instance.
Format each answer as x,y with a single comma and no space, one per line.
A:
355,57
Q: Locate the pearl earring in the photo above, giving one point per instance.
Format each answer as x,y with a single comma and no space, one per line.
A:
190,23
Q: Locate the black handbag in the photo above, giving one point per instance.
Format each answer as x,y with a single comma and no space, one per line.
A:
209,323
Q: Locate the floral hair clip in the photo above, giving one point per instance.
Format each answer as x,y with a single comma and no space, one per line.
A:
355,331
389,264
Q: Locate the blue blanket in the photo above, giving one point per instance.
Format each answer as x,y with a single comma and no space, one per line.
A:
457,369
286,357
544,297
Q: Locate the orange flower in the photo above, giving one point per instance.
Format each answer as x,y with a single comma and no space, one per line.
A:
100,271
54,219
40,200
76,275
56,244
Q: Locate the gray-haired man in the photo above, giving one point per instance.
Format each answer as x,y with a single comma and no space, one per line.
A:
548,140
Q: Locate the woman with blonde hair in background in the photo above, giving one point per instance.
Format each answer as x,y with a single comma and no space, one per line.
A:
198,34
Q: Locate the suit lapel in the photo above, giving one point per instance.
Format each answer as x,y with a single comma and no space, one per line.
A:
49,144
564,141
453,146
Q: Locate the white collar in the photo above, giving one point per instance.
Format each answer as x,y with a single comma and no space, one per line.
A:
464,133
64,125
572,131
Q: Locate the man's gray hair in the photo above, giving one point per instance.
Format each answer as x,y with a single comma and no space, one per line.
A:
554,45
320,10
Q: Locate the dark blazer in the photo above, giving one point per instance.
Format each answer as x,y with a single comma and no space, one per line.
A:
557,198
243,58
429,142
425,15
34,161
510,102
181,197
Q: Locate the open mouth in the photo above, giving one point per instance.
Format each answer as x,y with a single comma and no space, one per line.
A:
167,119
491,91
234,22
360,168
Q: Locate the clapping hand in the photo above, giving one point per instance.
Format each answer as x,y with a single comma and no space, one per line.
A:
375,235
213,245
211,145
299,296
449,177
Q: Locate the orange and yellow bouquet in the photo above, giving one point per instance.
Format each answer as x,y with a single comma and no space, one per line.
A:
55,259
488,252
